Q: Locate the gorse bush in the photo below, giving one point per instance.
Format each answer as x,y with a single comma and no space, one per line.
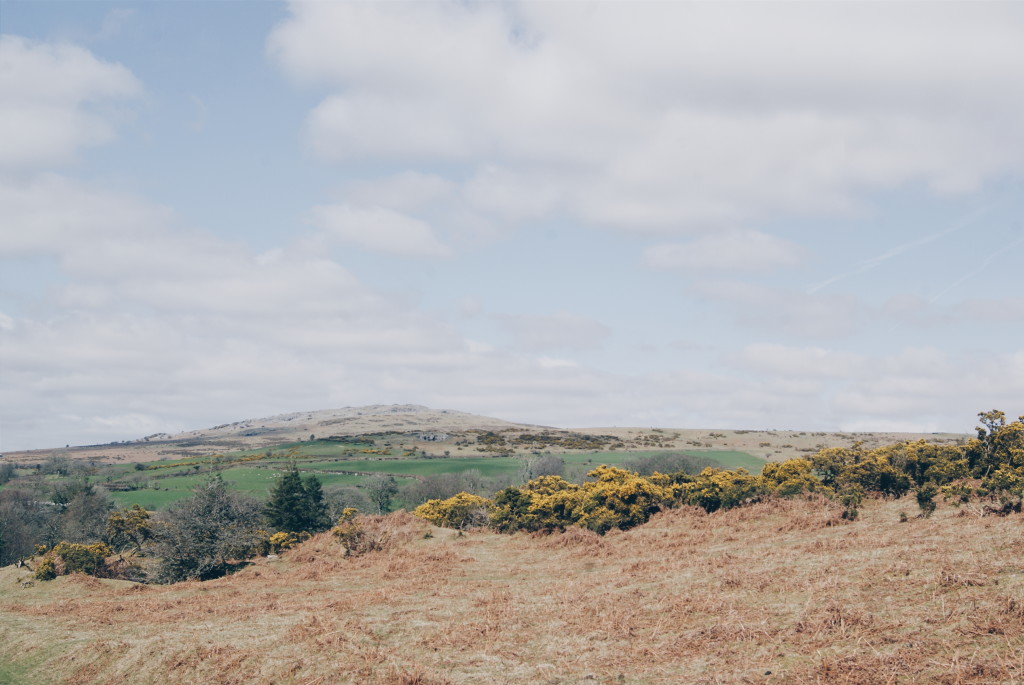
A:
281,541
618,498
791,477
73,557
128,528
715,489
462,510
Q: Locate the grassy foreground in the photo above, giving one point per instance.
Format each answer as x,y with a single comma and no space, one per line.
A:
779,592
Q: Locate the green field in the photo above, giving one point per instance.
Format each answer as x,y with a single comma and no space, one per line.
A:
338,464
487,466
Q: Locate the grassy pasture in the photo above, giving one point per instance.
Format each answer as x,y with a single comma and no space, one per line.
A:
340,463
488,466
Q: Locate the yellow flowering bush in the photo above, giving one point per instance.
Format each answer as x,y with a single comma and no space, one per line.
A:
73,557
716,489
459,511
282,540
790,477
618,498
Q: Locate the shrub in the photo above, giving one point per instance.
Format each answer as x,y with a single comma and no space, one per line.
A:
960,492
1005,484
128,528
876,474
851,497
619,499
46,569
360,534
73,557
200,536
791,477
716,489
460,511
926,498
512,512
280,541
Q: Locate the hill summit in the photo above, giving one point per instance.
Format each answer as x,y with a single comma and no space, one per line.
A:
376,418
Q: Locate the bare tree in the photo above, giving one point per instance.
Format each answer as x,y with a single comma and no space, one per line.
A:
381,490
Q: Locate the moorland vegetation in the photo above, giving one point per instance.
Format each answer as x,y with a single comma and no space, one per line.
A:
216,531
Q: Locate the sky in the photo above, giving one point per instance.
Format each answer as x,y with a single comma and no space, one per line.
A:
697,215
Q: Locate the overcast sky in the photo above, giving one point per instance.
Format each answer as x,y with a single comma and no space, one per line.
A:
708,215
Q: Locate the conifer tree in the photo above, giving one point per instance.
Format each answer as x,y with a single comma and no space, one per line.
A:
296,506
316,507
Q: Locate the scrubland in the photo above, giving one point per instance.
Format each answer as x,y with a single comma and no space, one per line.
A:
782,591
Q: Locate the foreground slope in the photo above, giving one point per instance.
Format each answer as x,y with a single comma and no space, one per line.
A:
783,591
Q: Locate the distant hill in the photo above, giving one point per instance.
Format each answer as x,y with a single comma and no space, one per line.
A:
430,427
282,428
376,418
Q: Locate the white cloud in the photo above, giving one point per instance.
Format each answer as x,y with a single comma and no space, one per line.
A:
671,115
51,214
738,250
554,363
380,229
991,310
563,330
55,99
795,312
405,191
796,362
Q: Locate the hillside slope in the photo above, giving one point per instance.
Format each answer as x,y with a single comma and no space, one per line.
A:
411,419
278,429
780,592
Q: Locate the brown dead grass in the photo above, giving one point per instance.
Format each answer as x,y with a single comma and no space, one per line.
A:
782,592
